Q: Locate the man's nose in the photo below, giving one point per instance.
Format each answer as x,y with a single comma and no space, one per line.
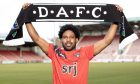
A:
68,39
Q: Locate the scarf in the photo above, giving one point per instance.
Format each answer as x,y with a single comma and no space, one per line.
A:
42,12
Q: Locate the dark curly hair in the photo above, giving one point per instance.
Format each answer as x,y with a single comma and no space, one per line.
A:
69,27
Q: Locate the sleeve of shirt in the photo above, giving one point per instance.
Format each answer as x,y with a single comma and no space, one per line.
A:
51,51
89,52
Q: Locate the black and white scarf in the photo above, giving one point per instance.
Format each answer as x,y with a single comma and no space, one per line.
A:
43,12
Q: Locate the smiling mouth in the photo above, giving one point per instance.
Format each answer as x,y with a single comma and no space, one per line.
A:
68,45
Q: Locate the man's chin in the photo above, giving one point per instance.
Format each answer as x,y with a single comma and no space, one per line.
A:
68,48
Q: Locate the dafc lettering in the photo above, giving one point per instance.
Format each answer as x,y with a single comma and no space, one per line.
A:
70,69
50,12
64,12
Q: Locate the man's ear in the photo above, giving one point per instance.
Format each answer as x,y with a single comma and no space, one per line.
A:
77,40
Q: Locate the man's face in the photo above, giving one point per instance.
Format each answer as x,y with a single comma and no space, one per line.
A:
69,40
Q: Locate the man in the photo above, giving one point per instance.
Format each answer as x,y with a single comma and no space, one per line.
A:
70,65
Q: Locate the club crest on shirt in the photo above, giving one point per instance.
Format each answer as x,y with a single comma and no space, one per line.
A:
77,54
70,69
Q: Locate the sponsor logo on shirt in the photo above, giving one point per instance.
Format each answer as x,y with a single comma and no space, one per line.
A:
70,69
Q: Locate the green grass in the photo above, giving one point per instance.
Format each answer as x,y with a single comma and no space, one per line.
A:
99,73
114,73
25,74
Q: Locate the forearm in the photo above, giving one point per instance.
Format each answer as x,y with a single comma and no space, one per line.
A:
32,32
111,33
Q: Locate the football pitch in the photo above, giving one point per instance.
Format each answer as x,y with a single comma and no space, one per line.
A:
99,73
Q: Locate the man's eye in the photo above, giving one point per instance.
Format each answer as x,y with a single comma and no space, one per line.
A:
64,37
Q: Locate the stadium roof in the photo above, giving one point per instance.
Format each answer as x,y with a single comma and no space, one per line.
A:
134,19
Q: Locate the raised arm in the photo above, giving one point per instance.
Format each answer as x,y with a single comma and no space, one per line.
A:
102,44
34,35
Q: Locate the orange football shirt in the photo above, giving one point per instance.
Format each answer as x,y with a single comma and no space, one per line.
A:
70,67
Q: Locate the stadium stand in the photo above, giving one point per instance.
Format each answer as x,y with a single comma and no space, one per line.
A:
93,33
133,51
107,54
20,56
90,34
88,40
